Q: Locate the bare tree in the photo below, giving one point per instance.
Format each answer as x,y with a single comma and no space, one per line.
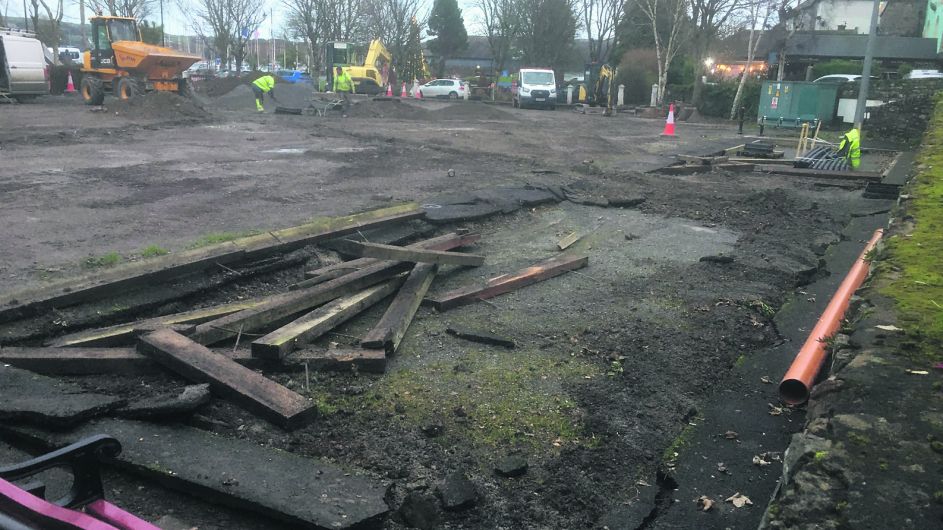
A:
756,34
211,21
348,18
709,16
390,20
670,30
501,20
311,20
246,16
4,9
47,29
139,9
600,18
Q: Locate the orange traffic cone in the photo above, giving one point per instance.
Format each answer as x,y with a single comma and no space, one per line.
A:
418,94
403,93
389,91
670,123
70,86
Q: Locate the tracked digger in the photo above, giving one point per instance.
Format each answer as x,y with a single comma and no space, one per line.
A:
121,63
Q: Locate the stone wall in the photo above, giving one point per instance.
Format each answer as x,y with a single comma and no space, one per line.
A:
904,117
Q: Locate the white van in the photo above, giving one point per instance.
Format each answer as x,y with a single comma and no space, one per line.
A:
537,87
23,70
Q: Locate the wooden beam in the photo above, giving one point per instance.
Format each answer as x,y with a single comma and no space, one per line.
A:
287,305
305,329
736,166
480,336
444,242
246,388
870,176
568,240
686,169
124,334
507,283
389,332
704,160
97,285
78,361
393,253
341,360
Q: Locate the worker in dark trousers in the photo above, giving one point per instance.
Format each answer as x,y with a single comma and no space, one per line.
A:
261,86
343,85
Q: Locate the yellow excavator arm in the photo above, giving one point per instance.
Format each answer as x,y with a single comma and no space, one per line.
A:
376,52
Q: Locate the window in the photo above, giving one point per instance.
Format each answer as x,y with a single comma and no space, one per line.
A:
538,78
101,38
123,30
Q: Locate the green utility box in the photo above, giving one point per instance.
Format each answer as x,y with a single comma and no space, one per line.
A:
792,103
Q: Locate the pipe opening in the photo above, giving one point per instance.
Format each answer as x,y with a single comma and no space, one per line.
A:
793,391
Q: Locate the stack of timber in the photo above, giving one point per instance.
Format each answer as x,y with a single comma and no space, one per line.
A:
278,332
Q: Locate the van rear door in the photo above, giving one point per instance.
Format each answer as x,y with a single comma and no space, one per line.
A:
25,63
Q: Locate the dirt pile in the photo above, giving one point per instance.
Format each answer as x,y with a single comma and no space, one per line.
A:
160,105
217,87
241,97
390,109
476,111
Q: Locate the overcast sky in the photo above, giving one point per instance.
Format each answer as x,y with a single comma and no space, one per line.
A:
178,25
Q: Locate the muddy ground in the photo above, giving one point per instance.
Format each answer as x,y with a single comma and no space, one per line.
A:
612,362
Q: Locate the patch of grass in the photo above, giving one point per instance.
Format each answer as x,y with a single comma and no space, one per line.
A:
215,238
671,453
918,287
859,439
740,360
152,251
109,259
507,399
820,455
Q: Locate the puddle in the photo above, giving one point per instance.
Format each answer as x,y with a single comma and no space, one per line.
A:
286,151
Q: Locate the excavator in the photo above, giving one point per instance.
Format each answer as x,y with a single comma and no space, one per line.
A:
121,63
597,85
367,77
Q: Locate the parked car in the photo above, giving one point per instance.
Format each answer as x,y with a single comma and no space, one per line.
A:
448,88
837,78
294,76
924,74
23,72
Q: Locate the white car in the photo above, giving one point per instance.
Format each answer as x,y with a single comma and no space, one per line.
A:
837,78
924,74
450,88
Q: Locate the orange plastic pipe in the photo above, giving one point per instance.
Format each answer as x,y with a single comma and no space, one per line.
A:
797,383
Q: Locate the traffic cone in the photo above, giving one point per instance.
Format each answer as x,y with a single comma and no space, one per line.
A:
389,91
417,93
670,123
70,86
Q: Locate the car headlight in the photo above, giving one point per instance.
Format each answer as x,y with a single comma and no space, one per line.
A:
525,90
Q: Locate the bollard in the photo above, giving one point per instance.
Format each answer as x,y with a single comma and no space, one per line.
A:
569,94
740,128
621,100
654,95
467,90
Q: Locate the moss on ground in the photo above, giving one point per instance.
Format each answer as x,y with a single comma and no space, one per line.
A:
918,286
490,399
152,251
109,259
216,238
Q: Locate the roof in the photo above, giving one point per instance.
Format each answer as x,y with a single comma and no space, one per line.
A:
835,46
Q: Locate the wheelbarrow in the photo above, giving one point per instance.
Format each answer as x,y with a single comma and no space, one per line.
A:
23,506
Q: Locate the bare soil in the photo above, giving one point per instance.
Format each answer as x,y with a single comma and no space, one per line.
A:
612,362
